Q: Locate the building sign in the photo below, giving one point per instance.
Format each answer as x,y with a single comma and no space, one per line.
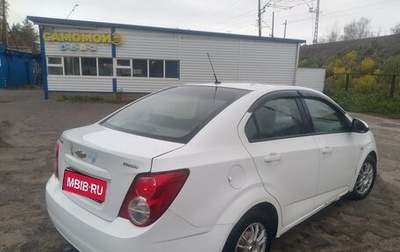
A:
82,41
104,38
75,47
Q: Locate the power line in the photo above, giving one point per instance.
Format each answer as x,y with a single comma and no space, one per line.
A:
215,14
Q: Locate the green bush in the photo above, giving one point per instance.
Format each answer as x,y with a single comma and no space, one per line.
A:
370,103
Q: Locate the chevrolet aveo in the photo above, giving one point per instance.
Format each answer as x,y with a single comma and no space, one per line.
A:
205,167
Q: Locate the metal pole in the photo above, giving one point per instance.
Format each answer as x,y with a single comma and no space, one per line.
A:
284,32
73,9
273,23
4,37
393,86
259,18
346,87
315,41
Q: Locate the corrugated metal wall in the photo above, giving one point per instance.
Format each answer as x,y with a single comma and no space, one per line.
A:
311,77
80,83
17,69
148,45
234,60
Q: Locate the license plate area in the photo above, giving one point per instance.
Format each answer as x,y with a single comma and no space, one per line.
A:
84,185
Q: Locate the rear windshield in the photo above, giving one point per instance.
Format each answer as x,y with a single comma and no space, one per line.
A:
175,114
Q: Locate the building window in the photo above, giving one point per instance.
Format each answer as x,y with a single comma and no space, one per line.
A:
172,69
89,66
106,67
139,68
92,66
72,66
123,67
54,61
156,68
55,66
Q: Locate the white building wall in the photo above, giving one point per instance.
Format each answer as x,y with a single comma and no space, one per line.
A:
148,45
272,62
79,83
234,60
195,65
311,77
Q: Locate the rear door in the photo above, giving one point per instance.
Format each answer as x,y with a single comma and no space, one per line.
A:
286,155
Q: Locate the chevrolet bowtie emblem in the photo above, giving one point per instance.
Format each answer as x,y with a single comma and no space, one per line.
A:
80,154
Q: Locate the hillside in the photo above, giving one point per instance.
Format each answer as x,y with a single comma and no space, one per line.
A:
377,47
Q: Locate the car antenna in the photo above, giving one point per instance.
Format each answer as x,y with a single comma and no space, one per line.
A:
215,76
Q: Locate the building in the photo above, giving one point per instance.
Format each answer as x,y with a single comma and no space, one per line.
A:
17,69
84,56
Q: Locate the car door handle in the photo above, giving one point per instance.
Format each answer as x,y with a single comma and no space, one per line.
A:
326,150
273,157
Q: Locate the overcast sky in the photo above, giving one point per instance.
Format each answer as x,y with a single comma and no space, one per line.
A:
226,16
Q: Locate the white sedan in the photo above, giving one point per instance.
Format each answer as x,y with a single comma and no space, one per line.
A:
207,167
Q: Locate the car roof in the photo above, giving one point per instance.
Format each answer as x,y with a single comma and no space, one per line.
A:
252,86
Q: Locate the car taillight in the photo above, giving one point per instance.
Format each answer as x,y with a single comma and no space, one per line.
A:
150,195
56,152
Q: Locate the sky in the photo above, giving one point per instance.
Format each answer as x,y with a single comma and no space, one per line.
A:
224,16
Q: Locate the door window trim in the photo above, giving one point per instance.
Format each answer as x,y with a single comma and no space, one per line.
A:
287,94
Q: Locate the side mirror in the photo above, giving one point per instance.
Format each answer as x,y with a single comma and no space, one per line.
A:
359,126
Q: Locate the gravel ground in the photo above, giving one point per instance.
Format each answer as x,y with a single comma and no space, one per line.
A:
29,126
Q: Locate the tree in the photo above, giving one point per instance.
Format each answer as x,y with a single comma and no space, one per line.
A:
333,34
1,18
23,37
19,36
395,29
358,29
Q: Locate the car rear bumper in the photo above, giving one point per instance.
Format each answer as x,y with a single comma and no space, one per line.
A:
88,232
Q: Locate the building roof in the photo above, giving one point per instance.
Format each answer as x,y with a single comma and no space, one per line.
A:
90,24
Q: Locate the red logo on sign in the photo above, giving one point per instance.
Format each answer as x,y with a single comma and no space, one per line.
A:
84,185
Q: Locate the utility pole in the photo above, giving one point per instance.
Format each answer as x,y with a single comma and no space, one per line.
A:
259,18
273,24
4,25
316,11
284,31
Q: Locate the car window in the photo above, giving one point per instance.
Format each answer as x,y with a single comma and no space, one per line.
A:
275,118
325,118
174,114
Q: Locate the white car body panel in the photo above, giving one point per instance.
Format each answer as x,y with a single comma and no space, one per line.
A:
90,233
229,175
339,159
111,155
220,148
282,167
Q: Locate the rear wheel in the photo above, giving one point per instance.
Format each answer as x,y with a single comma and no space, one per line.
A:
252,233
365,179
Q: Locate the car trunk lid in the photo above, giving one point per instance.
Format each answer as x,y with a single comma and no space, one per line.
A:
97,165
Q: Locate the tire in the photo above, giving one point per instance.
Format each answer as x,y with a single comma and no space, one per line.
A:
252,233
365,179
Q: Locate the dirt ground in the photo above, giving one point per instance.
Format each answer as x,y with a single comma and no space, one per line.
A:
30,125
